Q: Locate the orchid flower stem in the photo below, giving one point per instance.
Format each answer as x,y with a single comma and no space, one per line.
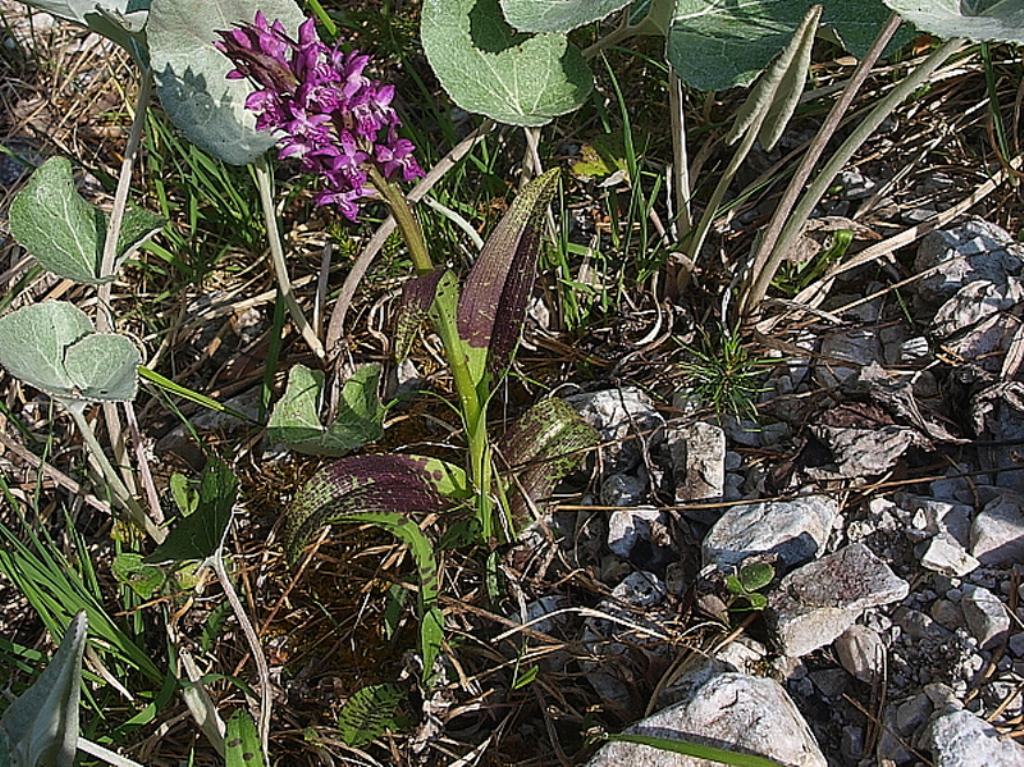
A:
121,492
108,756
265,184
262,669
406,220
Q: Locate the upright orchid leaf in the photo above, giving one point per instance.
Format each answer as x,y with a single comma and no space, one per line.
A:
199,535
542,447
383,491
295,421
53,347
489,69
557,15
492,308
773,100
986,21
65,233
120,20
417,298
243,742
370,712
41,726
191,75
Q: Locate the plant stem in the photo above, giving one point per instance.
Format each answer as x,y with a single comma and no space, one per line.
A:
766,245
795,223
262,669
108,756
265,184
135,512
408,225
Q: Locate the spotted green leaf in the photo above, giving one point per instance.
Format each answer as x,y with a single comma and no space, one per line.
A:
200,534
487,68
370,712
980,20
53,347
557,15
41,725
191,75
65,233
418,296
295,421
243,742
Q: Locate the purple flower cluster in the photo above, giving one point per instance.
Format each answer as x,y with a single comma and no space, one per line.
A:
332,118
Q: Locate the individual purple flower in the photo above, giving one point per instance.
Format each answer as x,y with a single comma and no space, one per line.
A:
332,118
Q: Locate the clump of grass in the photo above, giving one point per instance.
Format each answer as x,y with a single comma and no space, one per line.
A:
724,375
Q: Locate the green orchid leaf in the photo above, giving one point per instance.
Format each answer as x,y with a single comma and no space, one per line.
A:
418,295
557,15
65,233
191,75
543,446
145,580
756,575
295,420
493,305
53,347
370,712
488,69
243,742
41,726
987,21
773,100
201,534
715,45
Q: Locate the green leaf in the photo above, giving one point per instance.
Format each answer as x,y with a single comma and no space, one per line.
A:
557,15
53,347
41,726
987,21
120,20
145,580
696,750
734,586
418,294
191,75
757,601
489,69
715,45
369,713
243,742
295,421
65,233
756,575
185,497
201,534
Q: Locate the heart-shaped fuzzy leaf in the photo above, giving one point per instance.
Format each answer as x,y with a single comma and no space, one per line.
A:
191,74
41,726
201,533
493,305
120,20
489,69
53,347
557,15
65,233
243,742
715,45
295,421
544,445
987,21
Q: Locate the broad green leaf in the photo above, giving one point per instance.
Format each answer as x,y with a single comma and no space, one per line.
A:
186,498
772,101
120,20
489,69
42,724
191,75
243,742
369,713
557,15
981,20
756,576
295,421
145,580
718,44
542,447
53,347
201,533
492,308
65,233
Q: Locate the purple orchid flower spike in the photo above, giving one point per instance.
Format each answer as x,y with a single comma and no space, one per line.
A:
332,118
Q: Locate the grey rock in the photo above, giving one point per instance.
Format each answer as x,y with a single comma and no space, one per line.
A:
698,460
977,250
947,614
975,302
858,347
961,739
640,533
1016,644
867,452
831,682
944,554
818,602
623,490
796,530
623,417
918,215
912,713
985,615
743,654
997,534
939,516
733,710
856,186
851,744
733,461
861,652
916,349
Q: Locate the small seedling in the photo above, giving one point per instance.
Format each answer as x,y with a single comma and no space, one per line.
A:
747,583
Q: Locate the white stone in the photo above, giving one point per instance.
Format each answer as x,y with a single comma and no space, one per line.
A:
628,528
698,460
861,652
945,555
623,417
796,530
731,710
997,534
977,250
961,739
985,615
